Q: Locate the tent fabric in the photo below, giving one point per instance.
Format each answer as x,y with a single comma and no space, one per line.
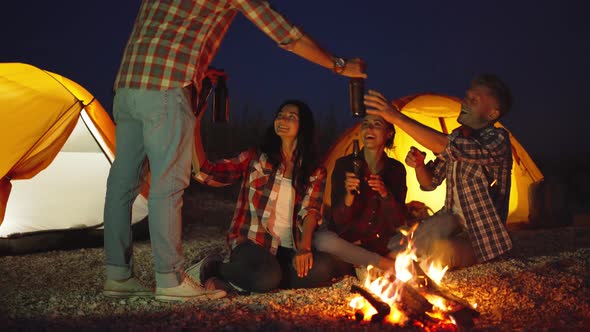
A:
27,147
440,112
56,145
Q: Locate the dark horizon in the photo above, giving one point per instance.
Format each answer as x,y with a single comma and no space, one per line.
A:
539,48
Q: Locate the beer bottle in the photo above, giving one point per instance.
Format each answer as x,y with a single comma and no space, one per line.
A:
221,102
357,163
356,90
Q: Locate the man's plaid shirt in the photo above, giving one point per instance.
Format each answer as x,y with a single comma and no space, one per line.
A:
258,196
484,163
174,41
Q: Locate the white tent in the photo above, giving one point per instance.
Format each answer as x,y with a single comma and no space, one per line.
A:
56,149
69,193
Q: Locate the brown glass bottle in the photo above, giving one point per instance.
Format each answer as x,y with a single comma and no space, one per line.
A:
221,102
356,89
357,163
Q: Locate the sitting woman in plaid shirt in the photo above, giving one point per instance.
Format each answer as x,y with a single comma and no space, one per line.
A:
278,209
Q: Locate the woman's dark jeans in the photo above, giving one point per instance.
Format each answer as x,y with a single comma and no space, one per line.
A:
253,268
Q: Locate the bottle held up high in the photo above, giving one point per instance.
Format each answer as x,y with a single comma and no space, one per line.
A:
357,163
221,101
356,89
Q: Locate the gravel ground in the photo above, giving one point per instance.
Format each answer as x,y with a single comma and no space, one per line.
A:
541,285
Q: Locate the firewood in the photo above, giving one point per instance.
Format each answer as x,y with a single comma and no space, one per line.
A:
435,289
359,316
382,308
378,317
412,303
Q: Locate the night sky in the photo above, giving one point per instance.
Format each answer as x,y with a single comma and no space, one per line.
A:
540,48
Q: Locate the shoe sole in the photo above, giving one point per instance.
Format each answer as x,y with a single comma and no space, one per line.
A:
196,268
210,296
118,294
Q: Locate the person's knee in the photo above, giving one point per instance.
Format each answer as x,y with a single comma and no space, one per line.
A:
441,247
265,279
252,268
445,252
122,190
165,188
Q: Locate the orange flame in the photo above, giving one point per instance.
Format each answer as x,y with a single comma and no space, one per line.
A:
387,287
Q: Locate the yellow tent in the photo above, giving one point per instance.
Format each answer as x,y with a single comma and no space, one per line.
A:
56,146
440,112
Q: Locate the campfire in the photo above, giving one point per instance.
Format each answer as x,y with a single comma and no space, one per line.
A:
411,296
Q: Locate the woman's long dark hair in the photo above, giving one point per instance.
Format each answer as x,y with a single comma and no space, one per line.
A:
305,154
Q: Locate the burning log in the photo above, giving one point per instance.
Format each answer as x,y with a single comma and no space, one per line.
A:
412,302
464,316
415,299
382,308
435,289
359,315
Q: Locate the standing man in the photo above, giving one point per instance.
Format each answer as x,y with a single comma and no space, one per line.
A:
170,48
476,161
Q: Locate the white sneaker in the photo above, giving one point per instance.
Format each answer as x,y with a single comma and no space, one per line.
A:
125,288
187,290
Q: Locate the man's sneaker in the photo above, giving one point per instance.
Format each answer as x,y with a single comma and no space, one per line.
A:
187,290
125,288
206,268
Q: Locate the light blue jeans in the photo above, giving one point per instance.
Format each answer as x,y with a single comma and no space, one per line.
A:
440,238
329,242
157,126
